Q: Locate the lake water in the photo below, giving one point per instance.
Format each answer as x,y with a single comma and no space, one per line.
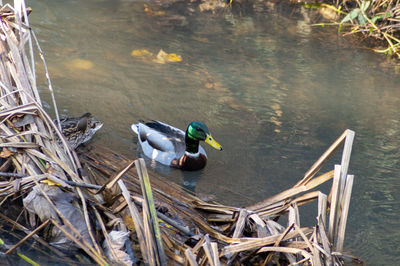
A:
273,90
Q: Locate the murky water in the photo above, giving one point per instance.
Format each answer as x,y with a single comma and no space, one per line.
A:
274,92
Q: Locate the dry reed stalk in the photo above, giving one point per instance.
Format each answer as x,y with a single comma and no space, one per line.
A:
322,236
106,236
277,242
37,229
163,217
207,250
136,220
277,201
36,237
254,243
322,206
241,221
98,259
190,258
333,217
325,156
114,179
215,253
261,227
302,252
150,212
345,210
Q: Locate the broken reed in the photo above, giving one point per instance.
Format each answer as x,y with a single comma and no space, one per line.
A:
28,135
224,234
377,20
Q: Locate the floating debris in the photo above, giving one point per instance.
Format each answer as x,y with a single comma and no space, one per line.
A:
161,58
150,11
142,53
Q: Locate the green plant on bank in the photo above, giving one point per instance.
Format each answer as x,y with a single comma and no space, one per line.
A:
376,18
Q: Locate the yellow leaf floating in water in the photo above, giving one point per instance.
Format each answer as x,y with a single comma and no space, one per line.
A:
80,64
142,53
163,57
174,58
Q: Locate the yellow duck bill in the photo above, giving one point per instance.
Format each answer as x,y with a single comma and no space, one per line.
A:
210,141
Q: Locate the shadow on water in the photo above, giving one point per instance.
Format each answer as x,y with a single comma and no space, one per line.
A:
274,91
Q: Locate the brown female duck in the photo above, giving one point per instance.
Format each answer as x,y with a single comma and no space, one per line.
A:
79,130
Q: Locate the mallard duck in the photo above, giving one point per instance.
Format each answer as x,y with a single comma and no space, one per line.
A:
174,147
78,130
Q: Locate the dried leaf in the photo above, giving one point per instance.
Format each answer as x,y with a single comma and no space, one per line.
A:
36,203
6,153
50,183
117,242
174,58
163,57
50,169
129,223
142,53
80,64
151,12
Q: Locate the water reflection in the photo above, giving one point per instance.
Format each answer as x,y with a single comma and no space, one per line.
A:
273,90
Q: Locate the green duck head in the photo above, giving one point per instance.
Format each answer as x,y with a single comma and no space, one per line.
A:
198,131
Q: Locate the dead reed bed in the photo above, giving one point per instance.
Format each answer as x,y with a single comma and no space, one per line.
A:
196,232
108,211
31,153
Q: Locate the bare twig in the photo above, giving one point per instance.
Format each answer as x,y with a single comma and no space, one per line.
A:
11,250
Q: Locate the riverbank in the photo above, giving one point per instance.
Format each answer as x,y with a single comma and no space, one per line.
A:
375,22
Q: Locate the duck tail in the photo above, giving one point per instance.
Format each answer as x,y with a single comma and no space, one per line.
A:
134,128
